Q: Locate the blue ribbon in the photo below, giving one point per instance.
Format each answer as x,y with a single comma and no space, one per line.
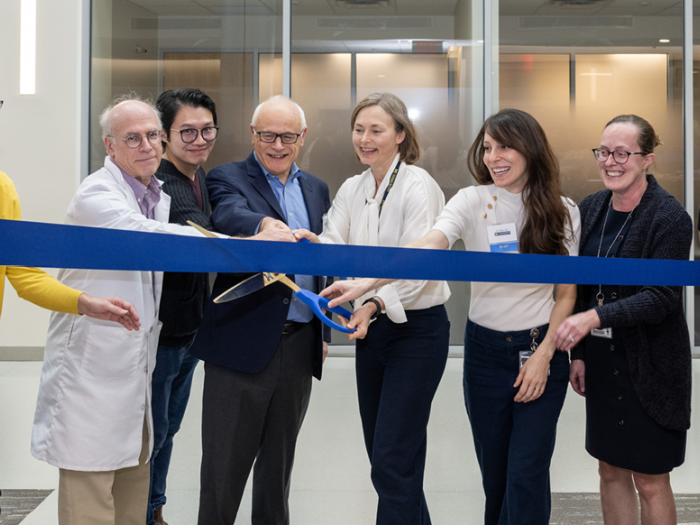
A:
25,243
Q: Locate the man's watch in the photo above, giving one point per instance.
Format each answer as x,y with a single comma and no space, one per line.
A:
376,303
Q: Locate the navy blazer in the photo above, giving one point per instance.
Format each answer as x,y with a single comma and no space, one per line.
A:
243,335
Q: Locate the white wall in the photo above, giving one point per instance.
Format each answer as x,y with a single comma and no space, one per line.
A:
39,135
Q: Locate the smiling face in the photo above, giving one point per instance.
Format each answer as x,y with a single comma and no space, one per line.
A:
508,167
278,117
133,117
375,139
628,178
187,157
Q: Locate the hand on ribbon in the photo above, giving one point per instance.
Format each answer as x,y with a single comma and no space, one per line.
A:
306,234
273,230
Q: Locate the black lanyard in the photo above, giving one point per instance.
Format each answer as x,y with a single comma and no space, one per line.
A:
391,184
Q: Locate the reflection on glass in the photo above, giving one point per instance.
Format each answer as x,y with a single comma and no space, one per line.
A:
426,53
576,65
214,47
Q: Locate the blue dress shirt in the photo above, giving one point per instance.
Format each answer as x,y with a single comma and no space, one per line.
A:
291,200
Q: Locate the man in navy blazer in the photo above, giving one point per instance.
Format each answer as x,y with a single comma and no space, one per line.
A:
261,350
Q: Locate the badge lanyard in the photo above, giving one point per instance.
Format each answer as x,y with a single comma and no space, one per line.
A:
600,296
391,184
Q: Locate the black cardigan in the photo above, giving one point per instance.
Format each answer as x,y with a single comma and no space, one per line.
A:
651,319
184,294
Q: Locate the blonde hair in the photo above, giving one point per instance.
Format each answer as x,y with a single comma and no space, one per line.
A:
409,149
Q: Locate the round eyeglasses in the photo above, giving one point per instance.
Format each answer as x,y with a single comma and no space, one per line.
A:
191,134
270,137
133,140
602,154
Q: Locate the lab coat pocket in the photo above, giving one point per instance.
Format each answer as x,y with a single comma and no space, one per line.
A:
111,352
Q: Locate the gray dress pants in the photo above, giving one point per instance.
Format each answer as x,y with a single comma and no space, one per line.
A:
254,419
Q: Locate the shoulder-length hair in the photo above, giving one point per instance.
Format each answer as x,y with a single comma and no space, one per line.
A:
409,150
547,217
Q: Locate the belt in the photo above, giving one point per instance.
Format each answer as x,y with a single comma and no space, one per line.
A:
292,326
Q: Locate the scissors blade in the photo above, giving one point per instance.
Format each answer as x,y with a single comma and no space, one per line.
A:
249,285
201,230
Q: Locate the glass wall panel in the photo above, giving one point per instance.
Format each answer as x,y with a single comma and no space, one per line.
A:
696,156
427,53
619,57
147,46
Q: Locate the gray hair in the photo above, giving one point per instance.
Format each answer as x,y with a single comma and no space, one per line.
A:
278,98
106,116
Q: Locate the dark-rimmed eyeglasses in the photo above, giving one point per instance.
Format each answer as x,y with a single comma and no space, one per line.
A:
602,154
270,137
190,135
133,140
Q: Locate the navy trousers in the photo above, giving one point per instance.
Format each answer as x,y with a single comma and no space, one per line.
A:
398,368
514,441
170,387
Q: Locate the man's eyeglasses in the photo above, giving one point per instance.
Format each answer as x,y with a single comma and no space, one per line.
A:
270,137
190,135
620,157
133,140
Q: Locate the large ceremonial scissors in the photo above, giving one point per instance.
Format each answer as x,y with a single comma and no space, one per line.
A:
259,280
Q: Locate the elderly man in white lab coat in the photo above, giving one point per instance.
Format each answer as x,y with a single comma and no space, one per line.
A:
93,418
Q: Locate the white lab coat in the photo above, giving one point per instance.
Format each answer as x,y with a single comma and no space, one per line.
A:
95,382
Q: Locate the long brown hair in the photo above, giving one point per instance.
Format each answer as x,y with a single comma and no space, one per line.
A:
547,218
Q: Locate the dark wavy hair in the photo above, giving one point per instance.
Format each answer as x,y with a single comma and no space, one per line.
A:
169,103
547,217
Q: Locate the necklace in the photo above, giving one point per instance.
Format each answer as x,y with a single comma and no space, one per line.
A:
599,296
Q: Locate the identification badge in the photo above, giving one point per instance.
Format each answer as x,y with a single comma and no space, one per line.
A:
605,333
524,356
502,238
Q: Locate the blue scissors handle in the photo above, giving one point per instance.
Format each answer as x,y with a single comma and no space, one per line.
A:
318,304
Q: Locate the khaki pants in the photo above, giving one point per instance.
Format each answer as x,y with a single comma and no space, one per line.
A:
117,497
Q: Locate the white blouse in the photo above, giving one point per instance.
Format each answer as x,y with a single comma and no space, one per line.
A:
501,306
409,212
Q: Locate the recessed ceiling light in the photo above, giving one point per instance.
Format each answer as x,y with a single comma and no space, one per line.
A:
664,40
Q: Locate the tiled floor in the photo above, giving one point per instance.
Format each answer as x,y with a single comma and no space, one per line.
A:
331,478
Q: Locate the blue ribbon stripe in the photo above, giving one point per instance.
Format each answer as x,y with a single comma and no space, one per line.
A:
25,243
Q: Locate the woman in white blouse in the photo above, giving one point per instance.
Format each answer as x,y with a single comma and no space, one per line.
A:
401,361
514,379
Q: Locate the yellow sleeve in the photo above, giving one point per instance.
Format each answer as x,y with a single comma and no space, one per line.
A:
40,288
32,284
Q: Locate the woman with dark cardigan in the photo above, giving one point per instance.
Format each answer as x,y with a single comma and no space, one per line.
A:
630,345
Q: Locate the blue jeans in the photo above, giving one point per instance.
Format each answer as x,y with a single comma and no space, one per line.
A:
399,367
170,386
514,442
